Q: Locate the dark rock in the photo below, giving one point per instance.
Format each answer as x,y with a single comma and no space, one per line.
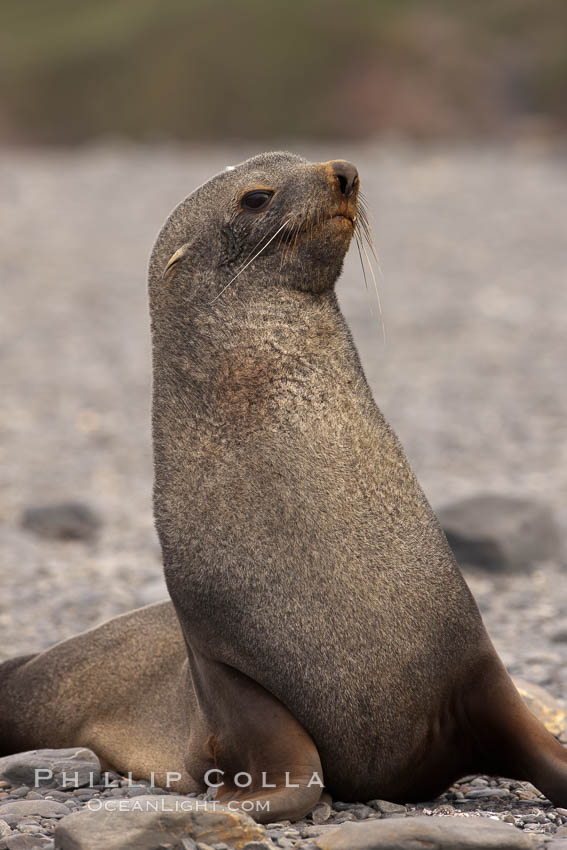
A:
500,532
150,822
62,521
340,806
21,768
426,832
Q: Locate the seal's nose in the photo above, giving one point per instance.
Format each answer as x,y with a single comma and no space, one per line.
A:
347,176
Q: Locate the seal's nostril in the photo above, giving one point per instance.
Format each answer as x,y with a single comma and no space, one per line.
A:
343,183
347,176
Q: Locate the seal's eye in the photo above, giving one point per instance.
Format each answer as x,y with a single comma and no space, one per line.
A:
256,201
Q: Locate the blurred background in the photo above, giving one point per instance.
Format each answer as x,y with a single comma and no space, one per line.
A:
74,70
456,115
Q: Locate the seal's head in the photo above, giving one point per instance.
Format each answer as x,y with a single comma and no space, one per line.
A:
273,220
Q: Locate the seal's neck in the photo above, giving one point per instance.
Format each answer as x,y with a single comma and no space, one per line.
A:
250,355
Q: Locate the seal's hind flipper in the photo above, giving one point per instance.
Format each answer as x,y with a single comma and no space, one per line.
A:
268,765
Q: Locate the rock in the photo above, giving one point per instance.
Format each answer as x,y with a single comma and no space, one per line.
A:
19,841
486,793
500,532
150,822
387,809
545,707
321,812
42,808
5,828
62,521
361,812
426,832
51,768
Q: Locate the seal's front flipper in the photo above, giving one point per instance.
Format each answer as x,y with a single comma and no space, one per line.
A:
514,742
248,745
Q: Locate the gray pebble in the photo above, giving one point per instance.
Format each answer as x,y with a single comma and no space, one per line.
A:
480,793
361,812
321,813
44,808
387,809
20,841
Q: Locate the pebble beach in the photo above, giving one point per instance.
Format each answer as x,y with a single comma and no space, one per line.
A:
470,371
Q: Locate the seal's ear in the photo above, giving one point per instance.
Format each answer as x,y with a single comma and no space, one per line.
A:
175,259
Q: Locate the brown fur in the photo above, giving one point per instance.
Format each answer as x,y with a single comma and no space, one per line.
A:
327,624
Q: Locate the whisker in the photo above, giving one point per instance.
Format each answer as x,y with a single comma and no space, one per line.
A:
366,228
357,239
376,290
288,250
249,261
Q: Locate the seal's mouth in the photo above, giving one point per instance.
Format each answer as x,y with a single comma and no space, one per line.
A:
350,218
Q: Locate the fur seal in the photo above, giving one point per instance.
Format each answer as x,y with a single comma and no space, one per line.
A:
321,626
